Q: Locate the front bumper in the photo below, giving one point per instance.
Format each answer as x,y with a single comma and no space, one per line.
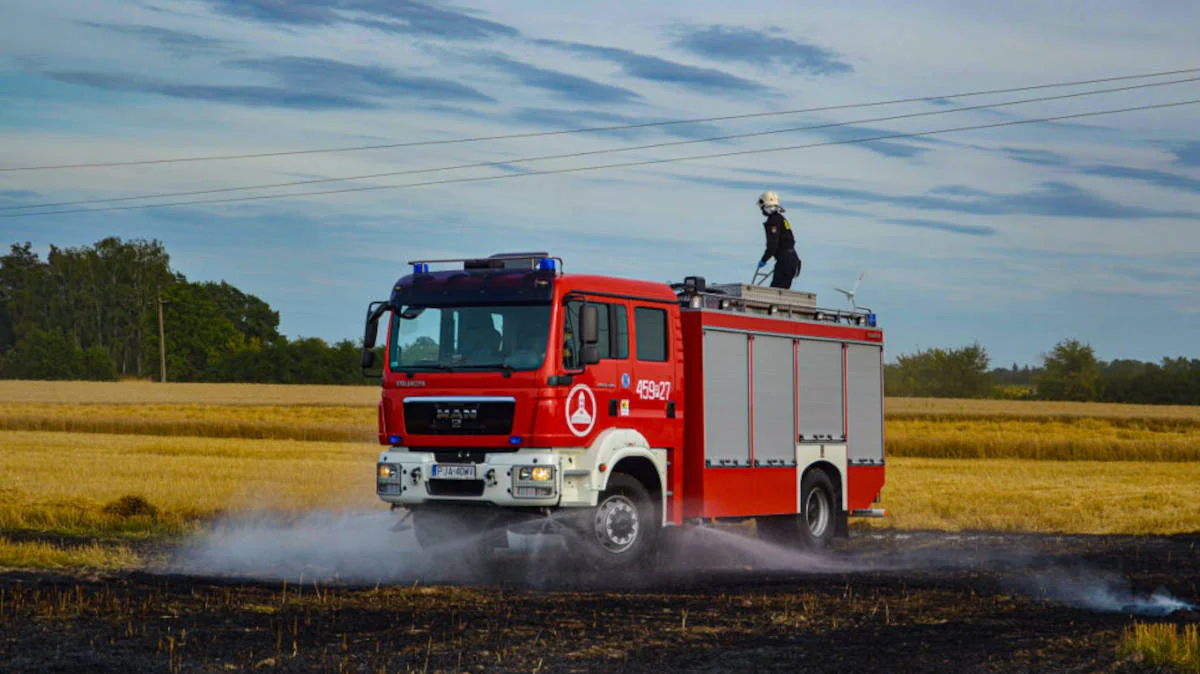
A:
406,478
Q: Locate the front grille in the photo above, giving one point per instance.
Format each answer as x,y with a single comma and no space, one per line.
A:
455,487
483,417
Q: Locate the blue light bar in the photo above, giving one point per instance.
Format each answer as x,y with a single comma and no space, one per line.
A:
514,440
546,264
394,439
421,268
871,320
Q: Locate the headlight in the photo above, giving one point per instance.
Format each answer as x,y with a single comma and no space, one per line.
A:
535,473
387,471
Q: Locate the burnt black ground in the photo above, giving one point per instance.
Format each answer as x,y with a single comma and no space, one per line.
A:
880,602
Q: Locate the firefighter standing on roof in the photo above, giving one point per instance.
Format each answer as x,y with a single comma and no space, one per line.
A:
781,243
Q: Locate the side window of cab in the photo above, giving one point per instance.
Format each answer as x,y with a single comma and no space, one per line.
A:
614,333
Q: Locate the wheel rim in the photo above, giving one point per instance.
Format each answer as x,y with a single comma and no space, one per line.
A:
816,512
617,524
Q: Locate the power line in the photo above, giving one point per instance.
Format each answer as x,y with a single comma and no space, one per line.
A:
573,155
594,129
647,162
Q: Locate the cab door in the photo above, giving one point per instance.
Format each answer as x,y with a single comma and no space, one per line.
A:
593,399
654,391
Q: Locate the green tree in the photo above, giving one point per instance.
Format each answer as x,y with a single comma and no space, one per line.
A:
197,333
53,354
1070,372
941,373
251,316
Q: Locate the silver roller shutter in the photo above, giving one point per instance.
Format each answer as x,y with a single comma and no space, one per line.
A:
819,379
726,404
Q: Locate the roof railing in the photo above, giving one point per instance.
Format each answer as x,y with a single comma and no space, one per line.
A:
859,316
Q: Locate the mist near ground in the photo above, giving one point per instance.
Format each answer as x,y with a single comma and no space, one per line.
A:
362,548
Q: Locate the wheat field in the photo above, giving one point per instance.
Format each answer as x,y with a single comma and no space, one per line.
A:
104,466
925,428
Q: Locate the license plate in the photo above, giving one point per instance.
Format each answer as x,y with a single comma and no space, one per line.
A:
454,471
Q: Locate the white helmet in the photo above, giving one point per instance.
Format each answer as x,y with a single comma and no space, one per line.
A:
768,201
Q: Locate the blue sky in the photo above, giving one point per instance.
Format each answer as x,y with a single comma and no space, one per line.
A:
1014,237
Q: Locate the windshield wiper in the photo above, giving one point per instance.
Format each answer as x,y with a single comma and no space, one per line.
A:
424,366
508,369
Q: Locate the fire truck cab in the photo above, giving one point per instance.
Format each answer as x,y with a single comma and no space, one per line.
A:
516,396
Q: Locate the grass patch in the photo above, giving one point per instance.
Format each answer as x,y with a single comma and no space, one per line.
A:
1010,409
147,393
132,486
36,554
331,423
1163,645
1083,497
1054,439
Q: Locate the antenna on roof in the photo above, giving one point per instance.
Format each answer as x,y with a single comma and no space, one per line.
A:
850,293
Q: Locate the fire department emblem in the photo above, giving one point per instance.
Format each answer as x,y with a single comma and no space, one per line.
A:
581,410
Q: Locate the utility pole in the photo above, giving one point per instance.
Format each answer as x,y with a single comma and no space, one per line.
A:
162,342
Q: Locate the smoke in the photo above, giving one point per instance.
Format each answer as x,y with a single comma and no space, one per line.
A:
1098,591
353,548
363,548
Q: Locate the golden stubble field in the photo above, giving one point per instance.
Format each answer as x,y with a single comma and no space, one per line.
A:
129,462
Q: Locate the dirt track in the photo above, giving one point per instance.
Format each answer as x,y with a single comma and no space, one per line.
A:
881,602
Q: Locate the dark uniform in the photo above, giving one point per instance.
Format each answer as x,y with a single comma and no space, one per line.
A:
781,245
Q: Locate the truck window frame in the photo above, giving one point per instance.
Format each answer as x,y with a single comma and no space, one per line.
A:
660,315
614,325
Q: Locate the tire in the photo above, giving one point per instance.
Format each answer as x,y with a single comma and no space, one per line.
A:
621,532
815,526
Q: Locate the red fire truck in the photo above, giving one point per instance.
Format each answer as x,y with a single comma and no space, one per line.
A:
519,397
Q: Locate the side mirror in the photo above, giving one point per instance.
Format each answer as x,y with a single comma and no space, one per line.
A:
370,332
589,333
372,327
591,354
589,325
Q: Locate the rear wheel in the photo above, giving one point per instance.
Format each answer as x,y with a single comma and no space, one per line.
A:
814,527
621,531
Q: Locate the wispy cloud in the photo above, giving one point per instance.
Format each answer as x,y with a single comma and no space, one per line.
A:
314,74
176,41
304,83
972,230
17,197
395,16
1035,156
565,85
655,69
248,95
552,119
1188,153
1174,181
1051,199
760,48
886,148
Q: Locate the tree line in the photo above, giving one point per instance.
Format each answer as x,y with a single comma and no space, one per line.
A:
1070,371
93,313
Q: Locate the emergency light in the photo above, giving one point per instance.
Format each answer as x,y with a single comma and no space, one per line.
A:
394,439
546,264
421,268
871,320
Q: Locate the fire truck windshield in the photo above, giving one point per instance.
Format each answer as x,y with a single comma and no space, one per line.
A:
506,337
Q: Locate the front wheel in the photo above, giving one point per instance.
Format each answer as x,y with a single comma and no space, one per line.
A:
620,532
816,524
